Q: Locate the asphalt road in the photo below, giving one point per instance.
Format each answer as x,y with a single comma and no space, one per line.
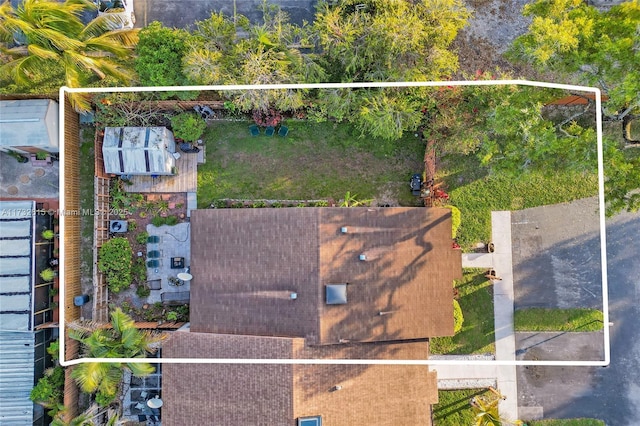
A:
608,393
183,13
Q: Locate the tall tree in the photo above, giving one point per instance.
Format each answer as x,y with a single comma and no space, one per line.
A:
603,48
159,55
47,45
122,340
374,40
486,410
270,53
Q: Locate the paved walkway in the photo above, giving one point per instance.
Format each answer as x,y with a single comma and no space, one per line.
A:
503,376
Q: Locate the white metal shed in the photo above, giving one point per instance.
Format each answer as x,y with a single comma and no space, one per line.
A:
29,125
139,151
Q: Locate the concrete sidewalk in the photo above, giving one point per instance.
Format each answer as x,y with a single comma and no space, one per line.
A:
504,377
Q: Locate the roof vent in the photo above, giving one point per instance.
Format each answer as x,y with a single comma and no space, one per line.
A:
336,294
293,296
363,257
344,230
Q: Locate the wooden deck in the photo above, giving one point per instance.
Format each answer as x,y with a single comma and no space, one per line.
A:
185,181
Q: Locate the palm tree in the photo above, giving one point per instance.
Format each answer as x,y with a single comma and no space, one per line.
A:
486,409
89,417
121,340
41,38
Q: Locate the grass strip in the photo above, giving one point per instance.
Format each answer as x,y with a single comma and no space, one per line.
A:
477,335
453,407
545,319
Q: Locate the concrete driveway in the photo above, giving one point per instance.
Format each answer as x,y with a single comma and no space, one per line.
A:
183,13
557,264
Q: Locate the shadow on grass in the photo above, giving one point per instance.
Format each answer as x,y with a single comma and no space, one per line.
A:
455,406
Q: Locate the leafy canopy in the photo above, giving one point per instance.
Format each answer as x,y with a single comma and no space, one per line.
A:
159,55
374,40
602,47
47,46
121,340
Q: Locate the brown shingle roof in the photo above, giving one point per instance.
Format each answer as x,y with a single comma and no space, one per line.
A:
384,395
246,262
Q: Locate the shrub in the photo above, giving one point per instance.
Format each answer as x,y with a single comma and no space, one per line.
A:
143,291
456,220
104,399
48,274
115,260
157,221
172,316
54,349
141,238
48,391
139,270
41,155
458,318
188,126
171,220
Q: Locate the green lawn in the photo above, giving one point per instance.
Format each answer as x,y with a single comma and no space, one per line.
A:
477,334
566,422
476,193
315,161
542,319
453,408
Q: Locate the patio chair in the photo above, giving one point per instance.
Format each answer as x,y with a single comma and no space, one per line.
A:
154,263
283,131
269,131
154,254
153,239
255,130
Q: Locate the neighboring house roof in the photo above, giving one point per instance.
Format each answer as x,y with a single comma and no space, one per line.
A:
29,122
138,151
247,262
272,394
16,264
16,326
16,377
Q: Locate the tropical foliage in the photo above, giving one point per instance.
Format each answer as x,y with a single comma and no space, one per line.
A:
48,391
121,340
486,411
48,45
603,47
372,40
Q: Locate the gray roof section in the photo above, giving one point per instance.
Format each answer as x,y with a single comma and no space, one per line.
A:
138,150
16,265
16,377
29,122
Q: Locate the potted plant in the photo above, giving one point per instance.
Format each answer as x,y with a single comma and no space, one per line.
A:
41,158
48,274
48,234
19,157
188,126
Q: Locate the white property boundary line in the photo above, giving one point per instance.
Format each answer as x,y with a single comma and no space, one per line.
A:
603,244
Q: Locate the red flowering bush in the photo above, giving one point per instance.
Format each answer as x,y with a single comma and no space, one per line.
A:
271,117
